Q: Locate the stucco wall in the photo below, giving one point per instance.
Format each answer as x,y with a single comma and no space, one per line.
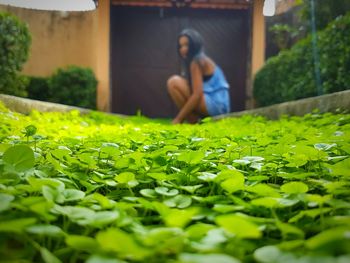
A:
58,39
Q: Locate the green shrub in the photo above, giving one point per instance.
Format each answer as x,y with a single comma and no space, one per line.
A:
290,74
38,88
74,86
15,41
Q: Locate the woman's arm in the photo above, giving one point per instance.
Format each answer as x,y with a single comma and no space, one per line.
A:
197,91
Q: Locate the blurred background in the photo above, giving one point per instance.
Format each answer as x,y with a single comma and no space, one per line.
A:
117,56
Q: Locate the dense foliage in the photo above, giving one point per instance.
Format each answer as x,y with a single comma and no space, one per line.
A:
73,86
98,188
290,74
38,88
15,42
325,11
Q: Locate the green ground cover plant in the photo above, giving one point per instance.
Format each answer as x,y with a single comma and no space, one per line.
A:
99,188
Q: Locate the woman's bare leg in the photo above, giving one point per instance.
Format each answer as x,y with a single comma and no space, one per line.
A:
179,91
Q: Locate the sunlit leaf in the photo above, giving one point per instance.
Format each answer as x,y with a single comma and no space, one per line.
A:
116,240
233,184
294,188
239,226
127,178
20,157
179,217
16,225
83,243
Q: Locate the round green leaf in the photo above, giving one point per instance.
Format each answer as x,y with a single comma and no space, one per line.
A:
5,201
294,188
198,230
150,193
16,225
83,243
267,254
207,177
233,184
21,157
127,178
72,195
45,230
101,218
180,201
239,226
165,191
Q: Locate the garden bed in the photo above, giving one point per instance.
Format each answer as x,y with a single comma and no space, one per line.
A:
99,188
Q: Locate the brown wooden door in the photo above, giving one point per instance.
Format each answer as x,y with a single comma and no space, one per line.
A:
144,56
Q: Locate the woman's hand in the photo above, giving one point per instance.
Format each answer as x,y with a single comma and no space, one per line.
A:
176,121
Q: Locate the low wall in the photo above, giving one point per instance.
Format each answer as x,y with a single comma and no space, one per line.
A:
25,106
326,103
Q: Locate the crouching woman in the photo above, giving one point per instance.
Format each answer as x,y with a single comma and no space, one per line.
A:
202,90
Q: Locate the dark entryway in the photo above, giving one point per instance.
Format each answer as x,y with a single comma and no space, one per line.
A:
144,54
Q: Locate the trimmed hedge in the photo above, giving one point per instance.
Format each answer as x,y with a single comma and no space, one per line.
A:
73,86
15,41
290,75
38,88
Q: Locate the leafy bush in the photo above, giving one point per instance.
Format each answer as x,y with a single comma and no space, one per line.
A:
38,88
290,74
74,86
15,41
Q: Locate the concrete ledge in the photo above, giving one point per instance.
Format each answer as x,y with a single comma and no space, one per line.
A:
325,103
25,106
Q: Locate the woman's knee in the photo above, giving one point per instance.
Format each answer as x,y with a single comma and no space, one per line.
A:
177,83
175,80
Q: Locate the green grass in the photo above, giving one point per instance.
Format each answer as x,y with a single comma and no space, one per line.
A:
98,188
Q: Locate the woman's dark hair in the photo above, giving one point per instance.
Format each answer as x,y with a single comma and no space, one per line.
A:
195,49
195,42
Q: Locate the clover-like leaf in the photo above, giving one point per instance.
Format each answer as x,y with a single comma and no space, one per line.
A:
179,201
20,157
294,188
165,191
